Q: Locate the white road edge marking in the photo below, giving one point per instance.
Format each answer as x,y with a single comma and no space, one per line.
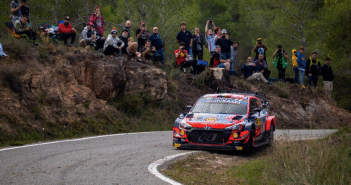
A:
72,140
153,167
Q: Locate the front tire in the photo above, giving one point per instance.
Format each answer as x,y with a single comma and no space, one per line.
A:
250,143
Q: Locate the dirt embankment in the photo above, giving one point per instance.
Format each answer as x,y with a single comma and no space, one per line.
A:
64,85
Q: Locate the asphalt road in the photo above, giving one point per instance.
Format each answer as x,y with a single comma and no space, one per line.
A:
113,159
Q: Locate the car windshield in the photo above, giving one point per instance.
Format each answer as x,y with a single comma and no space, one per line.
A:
220,106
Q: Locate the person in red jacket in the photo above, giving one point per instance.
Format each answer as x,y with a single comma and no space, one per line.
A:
66,31
98,21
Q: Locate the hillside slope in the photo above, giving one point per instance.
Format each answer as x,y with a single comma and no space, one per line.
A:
51,92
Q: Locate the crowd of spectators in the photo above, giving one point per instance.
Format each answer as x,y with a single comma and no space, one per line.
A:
222,49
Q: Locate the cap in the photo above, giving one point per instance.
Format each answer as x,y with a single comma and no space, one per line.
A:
67,18
90,24
114,32
182,23
224,31
259,39
124,30
97,7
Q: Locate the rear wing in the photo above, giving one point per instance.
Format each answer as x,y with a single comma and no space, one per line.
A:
259,95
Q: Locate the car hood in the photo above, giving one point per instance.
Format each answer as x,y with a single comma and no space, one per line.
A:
214,121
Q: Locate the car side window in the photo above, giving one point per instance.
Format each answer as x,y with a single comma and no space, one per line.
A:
253,106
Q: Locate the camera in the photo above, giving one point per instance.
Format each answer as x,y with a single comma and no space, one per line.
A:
143,25
279,51
259,42
223,36
210,20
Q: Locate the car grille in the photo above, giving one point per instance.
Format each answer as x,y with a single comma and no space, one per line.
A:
207,137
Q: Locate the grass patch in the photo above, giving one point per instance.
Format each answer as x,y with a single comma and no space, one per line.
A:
325,161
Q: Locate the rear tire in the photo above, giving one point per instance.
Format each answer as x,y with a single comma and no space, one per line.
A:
271,136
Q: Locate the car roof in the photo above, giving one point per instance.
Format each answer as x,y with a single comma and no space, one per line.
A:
227,95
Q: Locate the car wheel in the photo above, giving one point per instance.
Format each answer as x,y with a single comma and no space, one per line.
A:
250,143
271,137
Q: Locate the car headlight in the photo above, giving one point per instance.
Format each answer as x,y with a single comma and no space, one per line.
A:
184,124
236,127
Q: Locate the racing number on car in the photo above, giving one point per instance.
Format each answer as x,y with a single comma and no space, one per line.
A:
258,121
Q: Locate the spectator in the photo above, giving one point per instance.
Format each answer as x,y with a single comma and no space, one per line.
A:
233,53
328,77
100,40
218,33
225,42
124,37
132,48
198,45
217,60
98,21
16,10
127,27
156,41
313,67
210,38
21,27
301,64
142,34
87,37
261,66
25,9
185,36
181,54
260,48
147,51
294,62
249,68
280,61
113,45
66,31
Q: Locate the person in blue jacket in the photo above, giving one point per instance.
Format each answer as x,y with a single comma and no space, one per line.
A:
301,64
156,41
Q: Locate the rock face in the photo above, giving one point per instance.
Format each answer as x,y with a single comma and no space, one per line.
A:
141,77
72,85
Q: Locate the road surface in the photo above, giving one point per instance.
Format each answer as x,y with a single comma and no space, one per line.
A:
111,159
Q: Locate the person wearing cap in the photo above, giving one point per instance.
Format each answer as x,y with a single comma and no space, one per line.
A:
185,36
87,37
124,37
66,31
156,41
294,63
113,45
127,27
98,21
260,48
301,65
225,42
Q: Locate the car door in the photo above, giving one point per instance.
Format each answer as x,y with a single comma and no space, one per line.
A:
257,117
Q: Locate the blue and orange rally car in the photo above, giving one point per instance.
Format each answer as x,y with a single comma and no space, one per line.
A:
229,121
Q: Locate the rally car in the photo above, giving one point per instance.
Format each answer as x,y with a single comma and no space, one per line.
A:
228,121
